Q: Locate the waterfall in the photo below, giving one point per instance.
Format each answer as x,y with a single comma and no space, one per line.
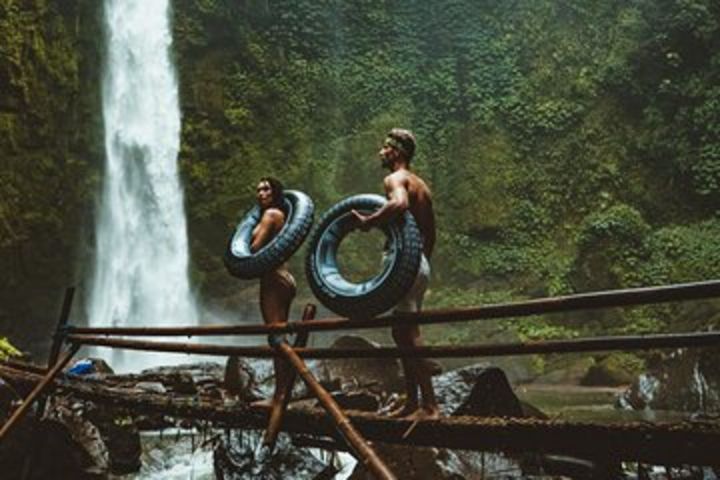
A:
141,266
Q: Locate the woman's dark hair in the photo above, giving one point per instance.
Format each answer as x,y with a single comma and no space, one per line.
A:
278,192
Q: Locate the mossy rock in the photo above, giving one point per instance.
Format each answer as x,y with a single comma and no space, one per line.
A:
613,370
566,370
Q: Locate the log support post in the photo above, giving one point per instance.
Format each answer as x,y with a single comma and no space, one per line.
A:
58,338
358,445
37,391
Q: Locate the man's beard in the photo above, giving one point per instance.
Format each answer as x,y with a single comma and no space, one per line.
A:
385,161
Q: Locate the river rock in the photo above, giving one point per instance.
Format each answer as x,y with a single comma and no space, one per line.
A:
685,380
481,390
239,379
238,456
381,374
425,463
58,451
8,397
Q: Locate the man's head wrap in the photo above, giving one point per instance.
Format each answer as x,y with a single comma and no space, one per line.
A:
402,140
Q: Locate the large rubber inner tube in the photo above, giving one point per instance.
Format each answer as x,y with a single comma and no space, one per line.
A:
379,293
242,263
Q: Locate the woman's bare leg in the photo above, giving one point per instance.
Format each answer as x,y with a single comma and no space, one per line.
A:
277,291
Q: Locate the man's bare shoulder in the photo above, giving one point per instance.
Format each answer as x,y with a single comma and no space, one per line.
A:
416,183
398,178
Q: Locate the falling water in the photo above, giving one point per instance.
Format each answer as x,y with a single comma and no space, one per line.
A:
141,270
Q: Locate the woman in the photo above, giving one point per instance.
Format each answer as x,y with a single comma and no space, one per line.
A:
277,287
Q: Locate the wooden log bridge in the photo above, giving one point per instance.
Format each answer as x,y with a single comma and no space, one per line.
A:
694,443
666,444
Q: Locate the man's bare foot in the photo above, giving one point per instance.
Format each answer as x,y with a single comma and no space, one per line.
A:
424,413
403,410
420,414
432,412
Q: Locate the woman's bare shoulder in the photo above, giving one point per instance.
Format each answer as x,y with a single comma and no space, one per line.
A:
274,214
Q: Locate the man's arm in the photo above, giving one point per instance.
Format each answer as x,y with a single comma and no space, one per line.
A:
398,202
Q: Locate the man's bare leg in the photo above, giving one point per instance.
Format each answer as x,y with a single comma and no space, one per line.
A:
402,337
423,377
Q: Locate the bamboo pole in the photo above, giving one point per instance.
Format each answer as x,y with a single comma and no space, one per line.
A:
278,409
58,338
583,301
363,452
629,342
37,391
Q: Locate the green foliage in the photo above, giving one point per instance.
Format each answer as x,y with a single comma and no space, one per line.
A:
7,350
619,225
570,146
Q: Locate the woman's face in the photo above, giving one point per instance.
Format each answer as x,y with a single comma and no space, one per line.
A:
264,194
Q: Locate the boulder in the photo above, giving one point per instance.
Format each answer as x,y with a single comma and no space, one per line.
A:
239,379
425,463
8,398
480,389
58,451
612,370
381,374
237,455
684,380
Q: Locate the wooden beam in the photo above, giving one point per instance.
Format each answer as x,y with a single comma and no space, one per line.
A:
628,342
582,301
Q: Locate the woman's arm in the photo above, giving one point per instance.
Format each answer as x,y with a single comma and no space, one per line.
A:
270,223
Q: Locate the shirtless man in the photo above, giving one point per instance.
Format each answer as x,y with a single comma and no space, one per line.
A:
407,191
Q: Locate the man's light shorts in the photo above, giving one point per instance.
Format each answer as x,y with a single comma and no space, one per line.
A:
413,300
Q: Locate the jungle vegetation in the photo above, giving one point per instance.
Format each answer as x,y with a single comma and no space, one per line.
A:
571,145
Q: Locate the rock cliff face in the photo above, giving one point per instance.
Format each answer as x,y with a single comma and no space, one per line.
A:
50,151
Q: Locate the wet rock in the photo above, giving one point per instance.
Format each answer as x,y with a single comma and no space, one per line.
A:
359,400
238,456
412,463
151,387
491,395
239,379
84,432
568,370
382,374
640,394
8,398
612,370
55,452
119,433
685,380
479,389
